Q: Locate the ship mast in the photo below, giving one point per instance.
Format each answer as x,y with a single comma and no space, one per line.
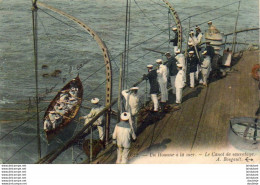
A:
35,48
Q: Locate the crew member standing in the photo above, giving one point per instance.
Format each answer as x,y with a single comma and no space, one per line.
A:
181,60
210,50
175,40
179,83
93,112
192,62
162,75
212,29
172,70
122,136
193,39
154,86
198,35
132,105
205,68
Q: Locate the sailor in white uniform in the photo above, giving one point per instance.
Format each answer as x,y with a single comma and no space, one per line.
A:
72,102
132,105
162,75
73,92
198,35
205,68
179,83
63,95
47,124
122,137
97,108
54,119
193,39
181,60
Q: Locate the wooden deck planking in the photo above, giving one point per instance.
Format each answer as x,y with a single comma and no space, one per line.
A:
233,96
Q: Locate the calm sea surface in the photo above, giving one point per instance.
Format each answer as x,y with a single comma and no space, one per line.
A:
64,46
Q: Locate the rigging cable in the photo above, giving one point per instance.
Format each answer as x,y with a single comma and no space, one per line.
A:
35,50
148,18
194,15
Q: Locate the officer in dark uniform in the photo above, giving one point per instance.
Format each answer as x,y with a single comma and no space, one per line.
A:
210,50
175,40
154,85
171,64
193,62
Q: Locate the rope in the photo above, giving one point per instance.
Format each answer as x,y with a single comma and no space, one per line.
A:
62,21
208,11
147,17
21,124
140,43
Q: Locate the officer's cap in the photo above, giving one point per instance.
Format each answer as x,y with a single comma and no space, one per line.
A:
94,100
174,29
134,88
159,61
150,66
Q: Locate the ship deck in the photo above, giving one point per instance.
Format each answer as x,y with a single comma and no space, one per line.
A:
201,126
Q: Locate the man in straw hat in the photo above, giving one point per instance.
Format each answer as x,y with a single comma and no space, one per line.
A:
154,86
175,40
192,61
97,108
205,68
122,137
179,83
162,75
132,104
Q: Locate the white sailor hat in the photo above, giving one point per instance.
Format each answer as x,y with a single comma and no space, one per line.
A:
189,43
174,29
52,112
179,65
149,66
125,116
210,22
178,51
159,61
134,88
204,52
72,98
94,100
191,52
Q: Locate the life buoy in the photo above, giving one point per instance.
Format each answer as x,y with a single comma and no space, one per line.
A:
256,72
